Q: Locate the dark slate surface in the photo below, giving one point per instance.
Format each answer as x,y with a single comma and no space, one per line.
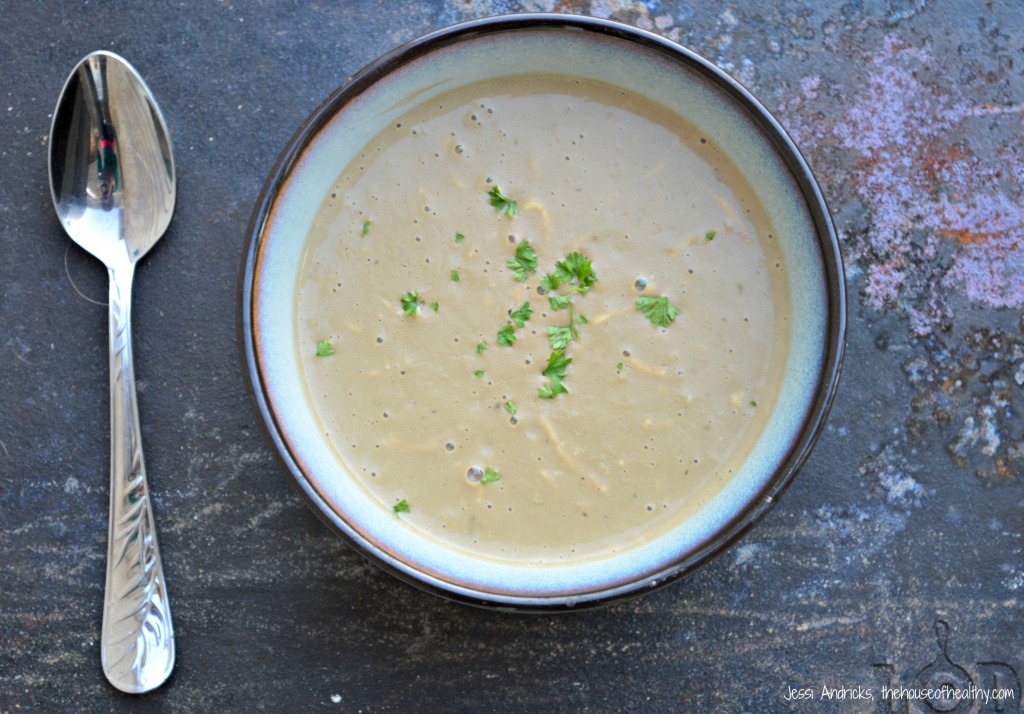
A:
905,529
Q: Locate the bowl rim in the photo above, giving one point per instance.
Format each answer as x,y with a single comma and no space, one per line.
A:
787,151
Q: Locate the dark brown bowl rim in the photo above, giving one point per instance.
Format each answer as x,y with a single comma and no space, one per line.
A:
818,210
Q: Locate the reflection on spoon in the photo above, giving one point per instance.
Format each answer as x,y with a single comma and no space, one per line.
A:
113,186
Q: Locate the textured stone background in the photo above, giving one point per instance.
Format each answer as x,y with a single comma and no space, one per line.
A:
909,513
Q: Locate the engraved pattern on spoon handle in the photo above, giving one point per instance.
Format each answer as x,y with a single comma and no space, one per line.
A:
137,640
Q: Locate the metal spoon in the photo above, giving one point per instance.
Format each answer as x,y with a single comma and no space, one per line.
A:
112,180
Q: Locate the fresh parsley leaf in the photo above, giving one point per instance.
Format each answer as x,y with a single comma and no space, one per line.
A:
511,407
619,366
401,507
550,282
456,277
324,349
502,203
521,314
555,373
507,335
366,228
411,302
562,274
577,273
559,302
560,337
490,475
710,235
459,237
435,306
481,347
546,392
657,309
576,267
478,373
557,364
524,262
551,390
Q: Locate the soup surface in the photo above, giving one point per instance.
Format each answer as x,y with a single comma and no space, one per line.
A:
541,319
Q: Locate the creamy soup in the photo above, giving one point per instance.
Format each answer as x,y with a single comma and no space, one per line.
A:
541,319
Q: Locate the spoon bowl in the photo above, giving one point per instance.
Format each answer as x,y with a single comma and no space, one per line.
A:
113,185
111,165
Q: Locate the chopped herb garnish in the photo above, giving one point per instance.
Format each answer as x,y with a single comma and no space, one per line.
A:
555,373
459,237
551,390
502,203
435,306
576,272
576,267
521,314
478,373
619,366
710,235
411,302
550,282
560,337
490,475
657,309
753,403
511,407
366,228
455,276
559,302
507,335
524,262
481,347
324,349
401,507
573,320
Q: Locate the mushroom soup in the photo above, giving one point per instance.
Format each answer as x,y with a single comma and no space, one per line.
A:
542,319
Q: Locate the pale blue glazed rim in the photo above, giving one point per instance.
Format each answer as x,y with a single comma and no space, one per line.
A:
580,46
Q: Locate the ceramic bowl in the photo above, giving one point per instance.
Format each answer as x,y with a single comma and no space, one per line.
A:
589,48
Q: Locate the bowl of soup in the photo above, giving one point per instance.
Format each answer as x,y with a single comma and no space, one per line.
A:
541,311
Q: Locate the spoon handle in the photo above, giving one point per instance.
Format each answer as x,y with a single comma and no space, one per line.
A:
137,640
